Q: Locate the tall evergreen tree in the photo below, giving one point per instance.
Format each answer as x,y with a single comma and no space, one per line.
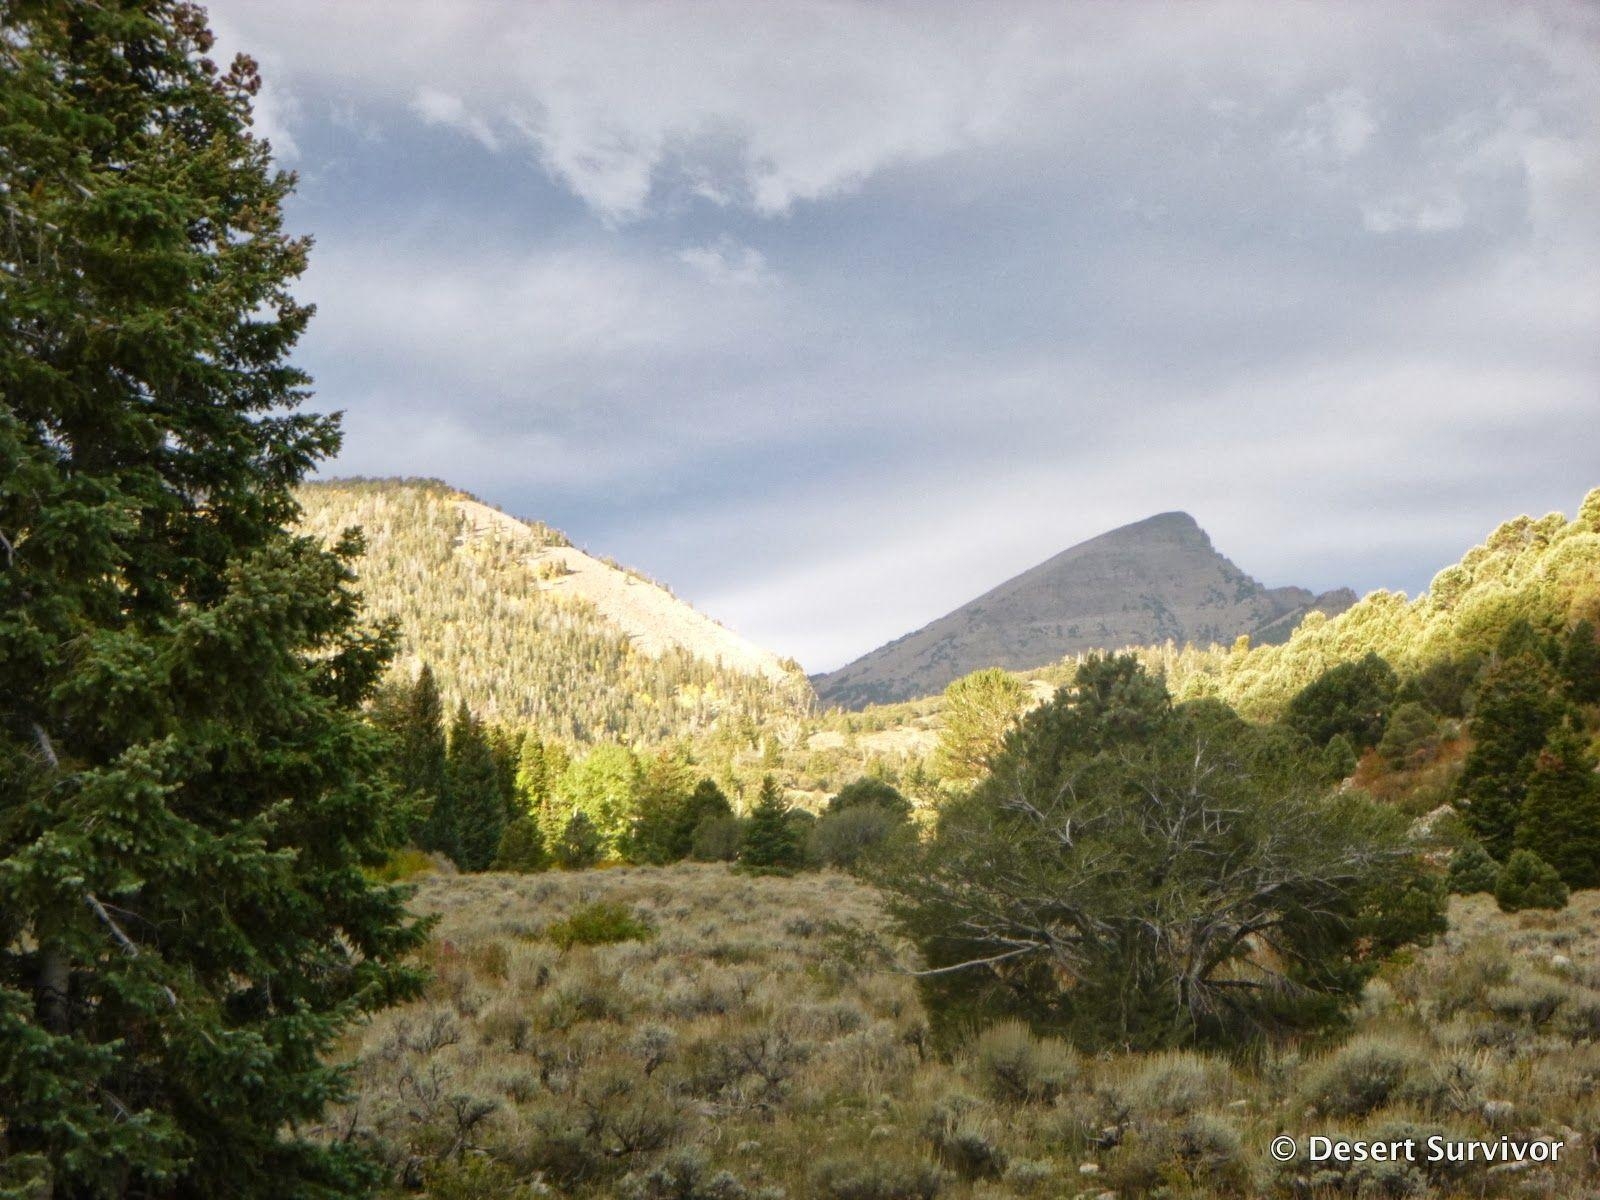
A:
188,787
1560,818
771,839
414,717
473,791
1519,703
1580,663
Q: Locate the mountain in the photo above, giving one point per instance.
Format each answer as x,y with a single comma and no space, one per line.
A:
532,631
1145,583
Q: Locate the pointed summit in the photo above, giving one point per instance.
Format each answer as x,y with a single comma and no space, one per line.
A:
1138,584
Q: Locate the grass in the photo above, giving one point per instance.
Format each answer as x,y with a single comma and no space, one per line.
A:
762,1042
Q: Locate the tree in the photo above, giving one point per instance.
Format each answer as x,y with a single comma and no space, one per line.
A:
474,792
1410,734
580,844
521,847
602,784
1351,698
870,792
663,791
978,710
770,840
1527,881
1560,818
1519,703
846,838
1472,870
1580,663
706,803
1144,875
189,788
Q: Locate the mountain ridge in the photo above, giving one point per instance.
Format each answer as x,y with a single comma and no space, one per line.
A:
1144,583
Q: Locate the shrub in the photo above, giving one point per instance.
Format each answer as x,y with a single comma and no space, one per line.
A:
1527,881
844,839
1014,1066
404,864
1472,870
1411,732
1362,1076
1175,1084
1202,1152
868,792
683,1174
877,1179
599,924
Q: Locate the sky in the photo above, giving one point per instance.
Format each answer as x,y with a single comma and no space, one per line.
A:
834,315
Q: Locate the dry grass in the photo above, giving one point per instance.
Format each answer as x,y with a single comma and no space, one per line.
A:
759,1042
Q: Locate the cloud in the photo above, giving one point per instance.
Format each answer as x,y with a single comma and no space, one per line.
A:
835,313
441,108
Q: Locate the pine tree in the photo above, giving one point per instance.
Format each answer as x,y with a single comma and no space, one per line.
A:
1560,819
1519,703
414,718
770,840
1472,870
1527,881
188,786
473,790
707,802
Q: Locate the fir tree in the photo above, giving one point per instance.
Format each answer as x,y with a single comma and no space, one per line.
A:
580,844
771,841
414,718
707,802
473,791
188,787
1519,703
521,847
1560,819
1580,663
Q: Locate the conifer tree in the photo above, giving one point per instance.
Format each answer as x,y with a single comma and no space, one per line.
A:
1560,819
188,786
1519,703
707,802
1527,881
522,847
580,844
414,717
770,840
1580,663
1472,870
473,790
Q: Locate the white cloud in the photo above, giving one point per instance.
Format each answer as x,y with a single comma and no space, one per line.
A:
441,108
729,263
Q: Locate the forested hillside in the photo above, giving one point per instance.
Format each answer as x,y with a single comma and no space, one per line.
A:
494,620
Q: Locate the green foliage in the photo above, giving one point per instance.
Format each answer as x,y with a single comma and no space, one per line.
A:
1580,663
706,803
1339,760
521,847
602,923
1527,881
718,839
414,717
1351,699
663,793
771,841
189,791
1537,570
579,844
1519,703
847,838
978,710
870,791
1079,885
603,785
1472,870
1560,818
475,792
1411,733
1443,686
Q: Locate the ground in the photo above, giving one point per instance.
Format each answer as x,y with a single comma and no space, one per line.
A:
759,1037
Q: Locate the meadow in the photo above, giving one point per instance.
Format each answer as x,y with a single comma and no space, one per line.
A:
692,1033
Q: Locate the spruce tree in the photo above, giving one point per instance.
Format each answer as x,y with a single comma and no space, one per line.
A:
414,717
579,845
188,787
771,841
1580,663
1560,819
473,789
707,802
1519,703
521,848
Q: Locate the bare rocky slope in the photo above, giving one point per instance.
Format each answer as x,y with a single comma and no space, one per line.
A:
1142,584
